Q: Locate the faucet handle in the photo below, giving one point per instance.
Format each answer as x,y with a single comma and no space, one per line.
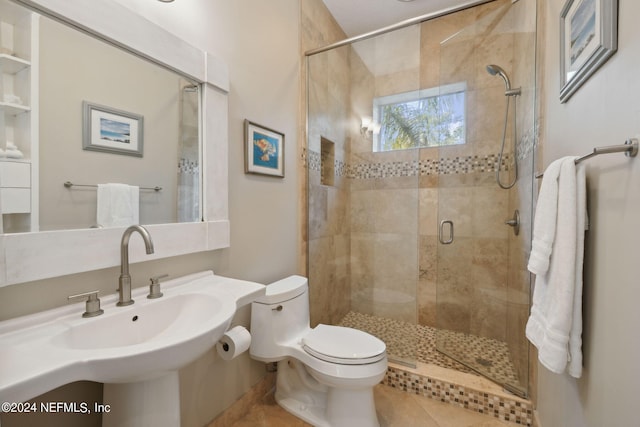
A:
154,288
156,279
92,305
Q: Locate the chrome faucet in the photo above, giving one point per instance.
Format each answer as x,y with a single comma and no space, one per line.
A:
125,279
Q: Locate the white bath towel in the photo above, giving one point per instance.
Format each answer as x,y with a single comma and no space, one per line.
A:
555,323
118,205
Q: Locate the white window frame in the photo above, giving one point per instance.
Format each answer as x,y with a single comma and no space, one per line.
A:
414,96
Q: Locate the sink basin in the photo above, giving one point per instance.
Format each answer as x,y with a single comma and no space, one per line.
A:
132,344
158,321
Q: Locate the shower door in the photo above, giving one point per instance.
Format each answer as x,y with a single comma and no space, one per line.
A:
482,283
363,171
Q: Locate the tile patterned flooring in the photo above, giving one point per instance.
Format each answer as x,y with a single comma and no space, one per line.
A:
395,409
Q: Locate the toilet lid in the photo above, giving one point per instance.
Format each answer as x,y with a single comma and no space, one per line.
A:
283,290
341,345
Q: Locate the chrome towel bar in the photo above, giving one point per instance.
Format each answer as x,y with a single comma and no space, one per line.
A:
629,148
70,184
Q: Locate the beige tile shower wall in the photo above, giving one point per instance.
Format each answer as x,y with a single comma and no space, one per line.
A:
383,214
383,248
520,197
327,228
387,211
490,40
483,283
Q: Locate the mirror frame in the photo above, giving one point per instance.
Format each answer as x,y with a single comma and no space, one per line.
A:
32,256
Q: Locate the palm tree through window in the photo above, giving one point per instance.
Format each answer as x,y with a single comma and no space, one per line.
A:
424,118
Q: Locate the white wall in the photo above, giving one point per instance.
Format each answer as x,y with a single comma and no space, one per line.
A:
259,42
605,111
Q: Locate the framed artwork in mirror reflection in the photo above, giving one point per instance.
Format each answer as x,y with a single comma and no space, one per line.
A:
264,150
112,131
588,38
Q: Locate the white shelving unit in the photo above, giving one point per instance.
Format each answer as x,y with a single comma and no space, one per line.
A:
19,33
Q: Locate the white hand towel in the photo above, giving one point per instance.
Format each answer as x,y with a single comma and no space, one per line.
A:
118,205
555,323
544,222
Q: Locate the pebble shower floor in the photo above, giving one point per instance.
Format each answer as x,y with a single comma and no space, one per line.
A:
407,342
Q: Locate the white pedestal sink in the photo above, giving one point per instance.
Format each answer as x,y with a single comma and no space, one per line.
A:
135,350
151,403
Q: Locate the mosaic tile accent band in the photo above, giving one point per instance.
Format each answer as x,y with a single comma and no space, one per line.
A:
187,166
443,166
485,403
313,161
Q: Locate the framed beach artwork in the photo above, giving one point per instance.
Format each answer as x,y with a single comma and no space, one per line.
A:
112,131
264,150
588,38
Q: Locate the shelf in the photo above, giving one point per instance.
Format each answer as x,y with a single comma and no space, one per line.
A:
13,109
18,64
10,64
11,160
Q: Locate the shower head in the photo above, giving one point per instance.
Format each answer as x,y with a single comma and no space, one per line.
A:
497,70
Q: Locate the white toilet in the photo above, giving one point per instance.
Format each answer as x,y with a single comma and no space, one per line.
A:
326,375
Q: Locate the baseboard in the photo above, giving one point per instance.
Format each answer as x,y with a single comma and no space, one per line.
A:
536,419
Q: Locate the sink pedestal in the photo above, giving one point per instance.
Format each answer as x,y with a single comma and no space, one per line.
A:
151,403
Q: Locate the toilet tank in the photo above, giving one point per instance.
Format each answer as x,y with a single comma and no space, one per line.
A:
279,318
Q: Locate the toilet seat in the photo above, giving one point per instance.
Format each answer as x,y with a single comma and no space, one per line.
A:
345,346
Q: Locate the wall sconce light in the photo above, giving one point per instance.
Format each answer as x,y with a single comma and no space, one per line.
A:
364,126
368,127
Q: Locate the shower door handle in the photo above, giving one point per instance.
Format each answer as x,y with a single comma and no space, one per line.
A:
441,232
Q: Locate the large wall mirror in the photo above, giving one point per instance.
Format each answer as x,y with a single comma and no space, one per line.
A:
76,71
89,103
77,68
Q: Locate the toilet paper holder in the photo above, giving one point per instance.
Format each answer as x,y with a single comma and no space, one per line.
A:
234,342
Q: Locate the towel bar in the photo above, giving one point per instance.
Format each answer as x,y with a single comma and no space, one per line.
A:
70,184
629,148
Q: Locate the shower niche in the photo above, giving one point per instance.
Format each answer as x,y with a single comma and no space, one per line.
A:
327,162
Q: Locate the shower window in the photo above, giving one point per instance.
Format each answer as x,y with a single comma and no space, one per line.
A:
423,118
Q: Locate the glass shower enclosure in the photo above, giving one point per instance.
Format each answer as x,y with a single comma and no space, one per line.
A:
406,224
